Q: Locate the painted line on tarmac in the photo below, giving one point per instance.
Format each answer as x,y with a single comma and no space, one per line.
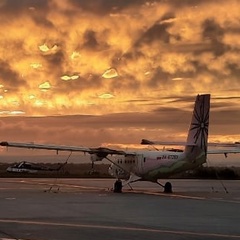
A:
172,195
168,195
106,227
55,184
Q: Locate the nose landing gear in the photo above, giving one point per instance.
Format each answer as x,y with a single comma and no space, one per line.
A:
117,188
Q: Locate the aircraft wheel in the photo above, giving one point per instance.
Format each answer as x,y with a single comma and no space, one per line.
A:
168,187
117,186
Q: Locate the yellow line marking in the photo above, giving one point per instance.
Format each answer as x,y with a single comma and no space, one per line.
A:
168,195
178,232
172,195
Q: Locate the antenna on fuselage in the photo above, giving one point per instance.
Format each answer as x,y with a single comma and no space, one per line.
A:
155,148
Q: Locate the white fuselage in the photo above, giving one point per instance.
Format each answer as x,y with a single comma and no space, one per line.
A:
152,165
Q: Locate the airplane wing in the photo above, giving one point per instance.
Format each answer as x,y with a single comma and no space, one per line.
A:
211,144
229,147
97,154
223,151
100,151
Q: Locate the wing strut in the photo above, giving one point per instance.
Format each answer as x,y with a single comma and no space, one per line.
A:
111,161
56,179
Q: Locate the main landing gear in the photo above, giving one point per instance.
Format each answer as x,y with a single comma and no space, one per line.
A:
117,188
167,187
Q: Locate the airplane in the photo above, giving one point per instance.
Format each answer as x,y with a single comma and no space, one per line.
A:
28,167
150,165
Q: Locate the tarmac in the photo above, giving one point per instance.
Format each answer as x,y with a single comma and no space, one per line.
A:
63,209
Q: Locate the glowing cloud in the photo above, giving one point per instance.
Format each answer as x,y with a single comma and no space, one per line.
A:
48,50
75,55
106,96
36,65
45,86
68,78
110,73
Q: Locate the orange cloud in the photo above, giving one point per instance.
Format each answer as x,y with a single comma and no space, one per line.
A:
116,56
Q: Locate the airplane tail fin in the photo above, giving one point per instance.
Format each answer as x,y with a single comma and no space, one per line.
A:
197,139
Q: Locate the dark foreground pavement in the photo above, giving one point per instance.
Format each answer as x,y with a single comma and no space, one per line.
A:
81,211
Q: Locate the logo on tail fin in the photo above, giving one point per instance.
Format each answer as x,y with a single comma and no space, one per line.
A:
198,132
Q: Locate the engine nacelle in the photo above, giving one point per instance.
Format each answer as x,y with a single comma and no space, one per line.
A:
94,157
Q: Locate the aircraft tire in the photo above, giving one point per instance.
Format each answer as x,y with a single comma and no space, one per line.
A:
168,187
117,186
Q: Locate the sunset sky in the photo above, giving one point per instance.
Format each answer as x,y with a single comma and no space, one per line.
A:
111,72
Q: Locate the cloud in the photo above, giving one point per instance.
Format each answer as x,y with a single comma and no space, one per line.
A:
9,78
118,57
